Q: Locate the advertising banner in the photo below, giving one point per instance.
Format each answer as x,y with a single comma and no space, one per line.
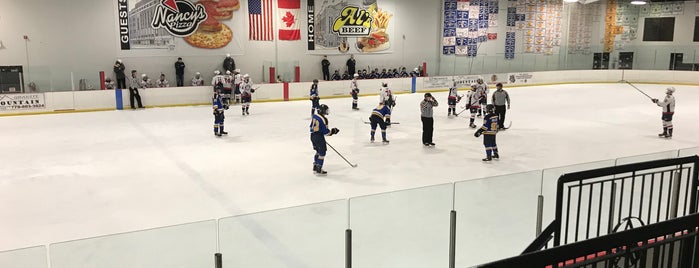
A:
15,102
348,26
462,81
520,78
204,24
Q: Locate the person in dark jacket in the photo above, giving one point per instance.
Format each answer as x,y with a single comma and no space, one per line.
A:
351,63
120,75
325,63
229,63
179,72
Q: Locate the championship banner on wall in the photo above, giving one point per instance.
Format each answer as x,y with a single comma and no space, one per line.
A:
164,24
354,26
16,102
520,78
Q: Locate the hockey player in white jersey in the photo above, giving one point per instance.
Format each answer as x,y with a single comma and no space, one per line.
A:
227,87
197,81
246,91
473,104
354,92
452,99
386,97
668,105
145,82
162,82
483,92
237,79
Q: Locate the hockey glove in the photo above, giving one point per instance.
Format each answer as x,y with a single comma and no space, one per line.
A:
478,133
252,90
334,131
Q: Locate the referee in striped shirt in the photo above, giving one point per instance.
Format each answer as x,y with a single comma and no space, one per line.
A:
427,119
500,98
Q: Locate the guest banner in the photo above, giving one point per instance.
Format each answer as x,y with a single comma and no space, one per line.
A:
16,102
175,24
349,26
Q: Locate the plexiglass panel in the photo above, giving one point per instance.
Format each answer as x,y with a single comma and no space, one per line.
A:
34,257
306,236
187,245
495,213
402,229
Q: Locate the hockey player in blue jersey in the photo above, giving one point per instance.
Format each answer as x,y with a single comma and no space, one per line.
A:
218,106
314,97
380,116
489,130
319,129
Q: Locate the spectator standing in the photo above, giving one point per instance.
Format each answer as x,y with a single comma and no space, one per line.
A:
120,75
325,63
426,115
179,72
228,63
351,63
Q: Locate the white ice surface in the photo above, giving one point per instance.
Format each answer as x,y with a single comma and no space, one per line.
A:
70,176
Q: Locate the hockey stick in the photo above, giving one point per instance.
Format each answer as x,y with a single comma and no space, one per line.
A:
638,89
338,153
396,123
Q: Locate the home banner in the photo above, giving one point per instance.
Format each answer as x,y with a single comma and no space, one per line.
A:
171,24
349,26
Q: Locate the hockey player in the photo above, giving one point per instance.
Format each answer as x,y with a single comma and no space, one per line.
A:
314,97
319,129
246,93
452,100
473,104
227,87
354,92
162,82
380,116
386,98
145,82
237,79
197,81
668,105
217,81
482,89
489,129
108,83
218,106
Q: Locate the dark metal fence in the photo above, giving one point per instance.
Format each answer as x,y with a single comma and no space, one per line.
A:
603,201
671,244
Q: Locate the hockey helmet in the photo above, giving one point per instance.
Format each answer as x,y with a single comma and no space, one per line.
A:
197,73
119,60
144,75
315,81
415,69
670,90
324,109
228,72
217,72
356,75
479,80
246,76
228,55
108,79
489,108
384,84
237,70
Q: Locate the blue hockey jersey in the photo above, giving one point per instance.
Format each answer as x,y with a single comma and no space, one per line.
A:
319,125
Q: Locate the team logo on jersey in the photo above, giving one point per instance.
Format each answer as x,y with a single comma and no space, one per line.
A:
179,17
353,21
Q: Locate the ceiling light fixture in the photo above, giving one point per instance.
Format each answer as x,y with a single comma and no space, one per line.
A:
638,2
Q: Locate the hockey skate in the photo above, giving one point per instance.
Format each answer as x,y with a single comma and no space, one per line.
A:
223,133
487,159
385,141
319,171
496,156
372,139
472,125
217,134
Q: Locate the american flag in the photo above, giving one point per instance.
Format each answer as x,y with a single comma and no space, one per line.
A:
261,20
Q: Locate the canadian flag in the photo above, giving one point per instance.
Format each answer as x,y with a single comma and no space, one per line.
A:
288,21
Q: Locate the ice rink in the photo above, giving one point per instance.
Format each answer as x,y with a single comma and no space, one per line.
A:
77,175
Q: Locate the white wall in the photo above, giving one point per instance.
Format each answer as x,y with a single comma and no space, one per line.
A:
80,37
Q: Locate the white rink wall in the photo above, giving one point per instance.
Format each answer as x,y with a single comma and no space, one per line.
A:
182,96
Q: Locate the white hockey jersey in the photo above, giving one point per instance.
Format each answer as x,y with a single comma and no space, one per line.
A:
668,104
